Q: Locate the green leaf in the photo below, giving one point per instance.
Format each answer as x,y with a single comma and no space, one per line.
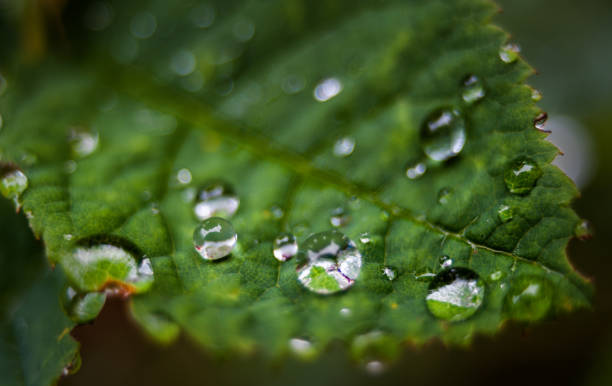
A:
35,344
238,102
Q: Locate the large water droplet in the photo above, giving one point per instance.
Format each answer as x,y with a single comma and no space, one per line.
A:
328,262
443,134
444,195
473,89
13,184
339,217
216,199
344,147
529,298
416,171
82,142
214,238
143,25
455,294
505,213
522,175
327,89
285,246
540,121
509,53
82,307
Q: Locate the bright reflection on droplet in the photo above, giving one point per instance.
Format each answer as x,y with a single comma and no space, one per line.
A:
375,367
344,147
509,53
416,171
143,25
183,176
327,89
183,63
214,238
83,142
285,246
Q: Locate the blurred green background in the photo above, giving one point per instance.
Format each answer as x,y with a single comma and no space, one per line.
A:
570,45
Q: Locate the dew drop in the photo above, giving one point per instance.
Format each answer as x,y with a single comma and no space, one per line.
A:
183,176
389,273
346,312
327,89
214,238
285,246
455,294
536,95
495,276
583,230
443,134
509,53
505,213
473,89
365,238
82,307
446,262
328,262
344,147
216,199
13,184
143,25
203,16
375,367
301,347
183,63
540,121
529,298
444,195
522,175
82,142
339,217
416,171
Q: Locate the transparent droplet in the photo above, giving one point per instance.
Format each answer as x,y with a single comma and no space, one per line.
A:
327,89
339,217
505,213
13,184
183,176
143,25
416,171
73,366
522,175
473,89
214,238
328,262
183,63
540,121
375,367
277,212
583,230
301,347
292,84
495,276
98,16
365,238
285,246
346,312
529,298
82,307
67,236
536,95
443,134
344,147
203,16
509,53
455,294
216,198
82,142
244,30
446,262
389,273
444,195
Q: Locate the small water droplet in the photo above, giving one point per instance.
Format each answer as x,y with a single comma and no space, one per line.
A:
183,176
344,147
389,273
495,276
277,212
346,312
473,89
244,30
216,198
98,16
584,230
443,134
214,238
183,63
327,89
285,246
522,175
505,213
82,307
292,84
455,294
73,366
540,121
301,347
67,236
529,298
509,53
328,262
339,217
444,195
536,95
365,238
82,142
143,25
375,367
446,262
13,184
416,171
203,16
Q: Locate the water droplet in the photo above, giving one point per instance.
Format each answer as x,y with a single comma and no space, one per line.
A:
99,15
244,30
521,177
277,212
328,262
505,213
216,198
473,90
443,134
183,176
339,217
301,347
444,195
73,366
82,307
365,238
426,276
346,312
495,276
509,53
285,246
214,238
143,25
344,147
584,230
67,236
292,84
82,142
389,273
375,367
536,95
540,121
446,262
416,171
327,89
455,294
13,184
529,298
203,16
183,63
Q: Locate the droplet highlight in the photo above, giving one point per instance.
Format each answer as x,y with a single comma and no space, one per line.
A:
344,147
216,199
327,89
214,238
505,213
82,142
339,217
529,298
82,307
416,171
473,89
13,184
455,294
285,246
522,176
509,53
443,134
